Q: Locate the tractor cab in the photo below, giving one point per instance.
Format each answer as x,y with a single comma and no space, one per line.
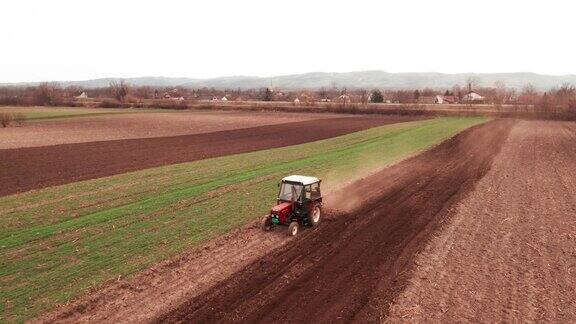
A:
299,189
299,203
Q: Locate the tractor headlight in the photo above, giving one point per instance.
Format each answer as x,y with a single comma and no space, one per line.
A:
274,219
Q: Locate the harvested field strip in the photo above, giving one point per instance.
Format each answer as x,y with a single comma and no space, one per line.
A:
134,124
43,113
59,241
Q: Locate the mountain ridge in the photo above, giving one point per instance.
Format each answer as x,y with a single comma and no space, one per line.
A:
356,79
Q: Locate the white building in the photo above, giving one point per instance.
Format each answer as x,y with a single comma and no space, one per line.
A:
472,96
83,95
344,98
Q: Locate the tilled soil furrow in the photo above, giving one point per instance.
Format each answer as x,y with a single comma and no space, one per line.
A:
511,251
358,261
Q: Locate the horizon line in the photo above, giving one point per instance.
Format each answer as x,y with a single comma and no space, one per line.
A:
4,83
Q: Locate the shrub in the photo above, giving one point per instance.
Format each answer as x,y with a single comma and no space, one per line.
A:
19,118
47,94
5,119
109,103
377,96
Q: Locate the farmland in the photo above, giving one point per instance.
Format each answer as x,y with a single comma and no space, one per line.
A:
510,246
37,167
60,241
120,124
222,162
40,113
426,220
352,268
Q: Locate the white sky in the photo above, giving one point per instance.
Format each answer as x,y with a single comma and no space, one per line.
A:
77,40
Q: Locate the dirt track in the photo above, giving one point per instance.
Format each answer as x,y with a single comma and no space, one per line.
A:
352,266
37,167
509,252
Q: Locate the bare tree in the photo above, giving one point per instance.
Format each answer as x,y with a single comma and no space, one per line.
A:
323,93
566,94
119,90
268,94
364,97
500,93
473,82
47,94
5,119
529,95
143,92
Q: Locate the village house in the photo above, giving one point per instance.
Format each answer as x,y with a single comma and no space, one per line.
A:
82,96
450,99
305,97
344,98
440,99
172,94
473,96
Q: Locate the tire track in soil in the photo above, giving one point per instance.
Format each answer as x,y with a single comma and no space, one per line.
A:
30,168
353,265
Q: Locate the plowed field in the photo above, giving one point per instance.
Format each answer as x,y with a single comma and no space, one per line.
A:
353,266
29,168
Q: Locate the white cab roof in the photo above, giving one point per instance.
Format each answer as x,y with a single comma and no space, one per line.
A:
301,179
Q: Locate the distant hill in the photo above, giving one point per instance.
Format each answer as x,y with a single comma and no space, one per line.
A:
363,79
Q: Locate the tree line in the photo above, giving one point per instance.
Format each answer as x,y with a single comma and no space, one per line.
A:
119,93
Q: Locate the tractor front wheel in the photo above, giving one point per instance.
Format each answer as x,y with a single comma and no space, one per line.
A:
266,223
293,229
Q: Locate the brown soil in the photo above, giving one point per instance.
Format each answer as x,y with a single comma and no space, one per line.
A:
427,235
352,266
139,125
348,268
166,285
509,252
37,167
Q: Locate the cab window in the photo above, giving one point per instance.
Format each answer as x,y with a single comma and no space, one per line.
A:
316,191
290,192
308,191
313,191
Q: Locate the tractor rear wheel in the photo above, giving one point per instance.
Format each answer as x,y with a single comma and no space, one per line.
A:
266,223
293,229
315,216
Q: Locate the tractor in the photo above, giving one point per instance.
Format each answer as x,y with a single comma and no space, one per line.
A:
299,203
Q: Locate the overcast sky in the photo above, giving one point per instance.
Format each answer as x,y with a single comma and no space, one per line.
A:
77,40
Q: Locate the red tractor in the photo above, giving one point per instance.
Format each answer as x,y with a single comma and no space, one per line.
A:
299,203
